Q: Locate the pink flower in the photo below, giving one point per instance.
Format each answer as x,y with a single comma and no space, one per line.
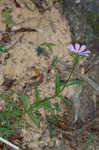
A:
80,50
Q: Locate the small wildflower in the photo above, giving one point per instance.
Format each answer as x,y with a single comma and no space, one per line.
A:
80,50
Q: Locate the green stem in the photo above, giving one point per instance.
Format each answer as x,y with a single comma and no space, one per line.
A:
54,96
69,76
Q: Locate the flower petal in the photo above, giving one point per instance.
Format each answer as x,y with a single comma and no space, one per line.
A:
84,52
82,48
71,47
77,46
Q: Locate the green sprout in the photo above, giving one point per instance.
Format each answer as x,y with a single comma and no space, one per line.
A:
6,14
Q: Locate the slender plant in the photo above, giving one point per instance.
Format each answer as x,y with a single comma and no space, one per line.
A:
78,52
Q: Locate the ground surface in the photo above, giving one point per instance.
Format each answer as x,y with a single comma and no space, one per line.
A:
24,68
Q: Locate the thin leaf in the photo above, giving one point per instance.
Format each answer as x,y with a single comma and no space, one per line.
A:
66,100
13,113
6,12
57,88
45,43
24,101
3,50
8,20
37,95
37,106
72,82
48,118
51,132
37,113
42,51
33,118
48,107
45,105
49,45
50,48
57,107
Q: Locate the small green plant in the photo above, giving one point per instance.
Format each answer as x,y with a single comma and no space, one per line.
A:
9,118
41,49
93,21
77,53
89,140
3,50
6,14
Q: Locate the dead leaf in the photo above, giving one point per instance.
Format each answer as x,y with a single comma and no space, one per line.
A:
40,80
67,136
36,72
13,137
8,83
23,30
17,4
1,146
63,126
5,37
32,83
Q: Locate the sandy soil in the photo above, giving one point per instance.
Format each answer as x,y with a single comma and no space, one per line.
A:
23,65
